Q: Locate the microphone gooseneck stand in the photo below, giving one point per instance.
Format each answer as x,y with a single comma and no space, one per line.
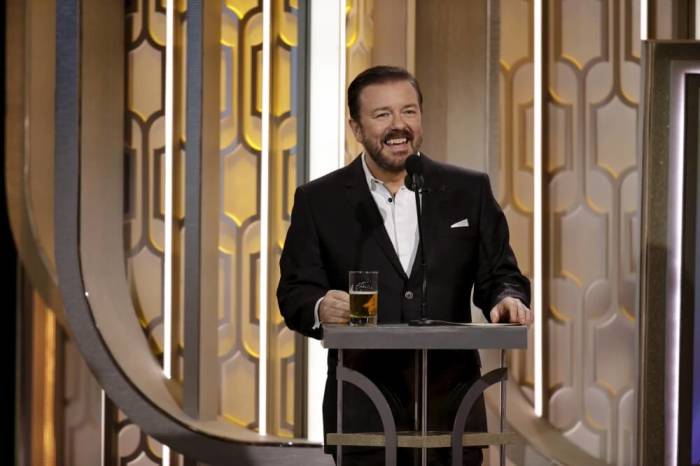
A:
423,321
414,181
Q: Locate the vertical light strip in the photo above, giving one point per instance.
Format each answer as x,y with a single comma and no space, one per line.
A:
168,250
673,271
326,135
264,216
342,71
103,428
49,434
411,36
643,19
537,208
165,461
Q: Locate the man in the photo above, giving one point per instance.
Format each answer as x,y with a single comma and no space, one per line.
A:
362,217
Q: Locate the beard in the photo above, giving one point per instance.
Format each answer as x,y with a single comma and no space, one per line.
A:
380,152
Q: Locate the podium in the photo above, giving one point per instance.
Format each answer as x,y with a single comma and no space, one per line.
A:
422,339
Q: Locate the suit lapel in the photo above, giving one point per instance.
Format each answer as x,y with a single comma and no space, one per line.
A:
368,214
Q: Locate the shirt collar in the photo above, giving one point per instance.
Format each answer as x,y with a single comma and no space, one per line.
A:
371,180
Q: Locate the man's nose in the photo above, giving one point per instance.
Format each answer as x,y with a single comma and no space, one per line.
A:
398,122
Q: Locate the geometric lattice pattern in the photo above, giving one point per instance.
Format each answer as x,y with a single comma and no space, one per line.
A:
145,146
515,176
239,251
359,40
591,185
240,168
144,204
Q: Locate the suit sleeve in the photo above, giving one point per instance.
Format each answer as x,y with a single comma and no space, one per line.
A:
498,275
303,279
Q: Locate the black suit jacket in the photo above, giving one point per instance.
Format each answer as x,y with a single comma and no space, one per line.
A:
336,227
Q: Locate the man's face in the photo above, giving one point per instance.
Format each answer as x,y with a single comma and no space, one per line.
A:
389,125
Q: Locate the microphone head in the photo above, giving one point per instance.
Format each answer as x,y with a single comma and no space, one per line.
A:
414,172
414,165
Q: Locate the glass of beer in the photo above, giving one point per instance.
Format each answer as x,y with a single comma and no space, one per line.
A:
363,297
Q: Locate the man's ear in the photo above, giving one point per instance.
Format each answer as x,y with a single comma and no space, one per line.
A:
356,130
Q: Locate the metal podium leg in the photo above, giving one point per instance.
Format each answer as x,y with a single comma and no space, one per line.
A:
339,406
424,407
416,389
472,395
377,398
503,407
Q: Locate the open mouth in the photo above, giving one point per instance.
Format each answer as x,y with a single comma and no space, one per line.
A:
397,140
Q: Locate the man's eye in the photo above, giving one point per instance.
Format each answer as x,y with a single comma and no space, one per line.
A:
382,115
410,112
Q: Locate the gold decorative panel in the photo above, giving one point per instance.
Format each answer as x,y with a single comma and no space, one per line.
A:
590,185
515,177
145,140
241,196
359,40
283,182
239,250
593,250
144,227
239,237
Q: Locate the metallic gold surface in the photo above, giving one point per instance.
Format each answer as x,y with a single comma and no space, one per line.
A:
359,41
42,386
28,141
433,440
49,388
240,174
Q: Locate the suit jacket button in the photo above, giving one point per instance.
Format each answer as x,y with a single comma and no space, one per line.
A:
408,295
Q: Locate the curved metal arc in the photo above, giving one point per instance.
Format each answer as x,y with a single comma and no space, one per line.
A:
465,407
370,389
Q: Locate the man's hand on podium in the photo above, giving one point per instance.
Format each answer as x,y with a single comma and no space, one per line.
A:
334,308
511,310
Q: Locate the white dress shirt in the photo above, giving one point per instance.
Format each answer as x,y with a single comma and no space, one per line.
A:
400,222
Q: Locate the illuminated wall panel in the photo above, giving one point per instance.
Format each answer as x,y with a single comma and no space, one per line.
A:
593,202
145,131
515,176
239,249
591,194
240,150
144,209
239,242
283,181
359,40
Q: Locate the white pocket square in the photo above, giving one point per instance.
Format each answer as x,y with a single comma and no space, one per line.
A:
461,223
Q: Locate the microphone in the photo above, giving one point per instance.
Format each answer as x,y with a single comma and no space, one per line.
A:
414,169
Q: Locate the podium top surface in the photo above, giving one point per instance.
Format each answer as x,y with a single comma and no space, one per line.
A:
403,336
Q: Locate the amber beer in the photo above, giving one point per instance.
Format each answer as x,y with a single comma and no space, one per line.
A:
363,308
363,289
